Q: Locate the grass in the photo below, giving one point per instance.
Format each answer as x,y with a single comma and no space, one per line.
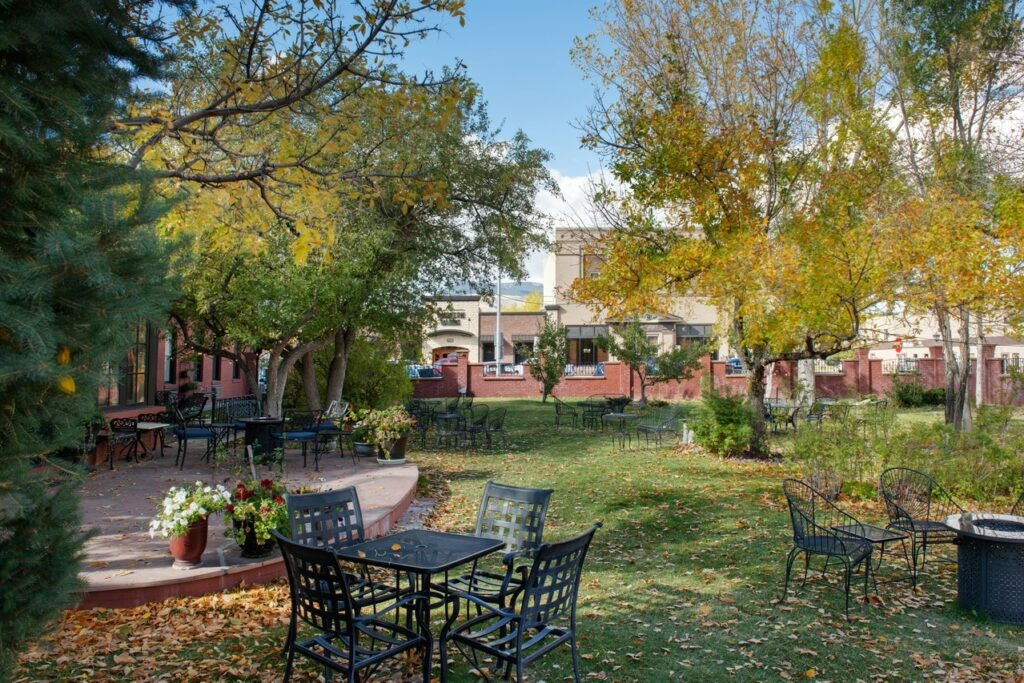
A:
681,584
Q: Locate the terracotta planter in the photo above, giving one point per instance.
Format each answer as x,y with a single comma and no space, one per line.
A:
251,547
188,550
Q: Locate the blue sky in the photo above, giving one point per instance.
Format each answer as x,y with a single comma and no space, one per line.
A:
518,52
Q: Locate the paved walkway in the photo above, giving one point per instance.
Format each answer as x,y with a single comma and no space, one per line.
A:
123,565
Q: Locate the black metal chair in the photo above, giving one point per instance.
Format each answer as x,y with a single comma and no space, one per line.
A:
495,427
918,505
124,432
657,423
814,521
815,414
1018,507
476,422
303,427
515,515
541,619
345,641
563,410
332,520
448,430
190,426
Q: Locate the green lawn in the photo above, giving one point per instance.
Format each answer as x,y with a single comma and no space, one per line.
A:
681,583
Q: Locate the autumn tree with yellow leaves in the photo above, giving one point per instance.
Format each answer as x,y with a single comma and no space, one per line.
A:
755,168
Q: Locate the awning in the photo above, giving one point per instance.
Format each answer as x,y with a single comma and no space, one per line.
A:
586,331
523,338
449,331
487,338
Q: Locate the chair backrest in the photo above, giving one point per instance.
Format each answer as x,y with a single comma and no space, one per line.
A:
154,417
451,405
496,419
907,493
331,518
553,584
191,407
513,514
1018,507
124,425
478,415
466,403
811,512
319,587
302,421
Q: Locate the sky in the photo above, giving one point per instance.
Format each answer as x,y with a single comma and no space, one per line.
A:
517,51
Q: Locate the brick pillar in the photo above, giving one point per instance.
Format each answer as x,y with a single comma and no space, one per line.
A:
863,372
462,373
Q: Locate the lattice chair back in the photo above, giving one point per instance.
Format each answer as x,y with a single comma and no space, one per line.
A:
330,519
319,587
554,580
513,514
191,407
124,425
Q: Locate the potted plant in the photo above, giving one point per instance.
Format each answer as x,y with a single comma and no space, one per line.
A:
388,429
360,437
257,508
183,517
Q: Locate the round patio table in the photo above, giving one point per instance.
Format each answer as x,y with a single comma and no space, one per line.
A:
990,558
258,433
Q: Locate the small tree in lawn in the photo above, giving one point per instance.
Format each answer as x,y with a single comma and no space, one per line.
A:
549,366
645,361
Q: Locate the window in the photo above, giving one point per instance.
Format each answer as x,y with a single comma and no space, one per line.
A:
127,384
216,366
236,371
487,351
590,265
696,334
522,350
199,363
170,366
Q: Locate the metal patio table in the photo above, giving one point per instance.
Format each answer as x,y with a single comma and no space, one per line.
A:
622,434
876,535
990,564
421,553
158,427
259,433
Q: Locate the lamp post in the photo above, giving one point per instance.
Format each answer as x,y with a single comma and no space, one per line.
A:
499,346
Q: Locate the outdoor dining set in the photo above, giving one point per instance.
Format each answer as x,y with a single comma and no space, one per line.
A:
516,610
921,514
616,416
457,422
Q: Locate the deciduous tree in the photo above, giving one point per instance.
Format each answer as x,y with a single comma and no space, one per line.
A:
648,362
551,355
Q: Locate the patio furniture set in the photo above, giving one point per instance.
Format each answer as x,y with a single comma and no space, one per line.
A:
524,607
613,415
457,422
990,554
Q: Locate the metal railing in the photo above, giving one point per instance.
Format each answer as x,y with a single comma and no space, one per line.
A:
899,366
734,369
418,371
576,370
828,366
507,370
1011,364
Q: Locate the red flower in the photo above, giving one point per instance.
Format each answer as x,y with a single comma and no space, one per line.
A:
279,500
267,484
230,508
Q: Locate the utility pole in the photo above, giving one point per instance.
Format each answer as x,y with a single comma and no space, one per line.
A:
499,345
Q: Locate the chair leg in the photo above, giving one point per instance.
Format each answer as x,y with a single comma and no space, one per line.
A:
575,658
789,567
849,569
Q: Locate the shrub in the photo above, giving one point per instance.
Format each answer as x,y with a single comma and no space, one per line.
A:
906,394
723,424
934,397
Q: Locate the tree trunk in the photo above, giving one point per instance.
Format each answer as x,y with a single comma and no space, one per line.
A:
343,340
755,398
805,373
310,386
957,375
275,385
979,368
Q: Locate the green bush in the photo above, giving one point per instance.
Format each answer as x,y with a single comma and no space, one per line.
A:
722,424
934,397
906,394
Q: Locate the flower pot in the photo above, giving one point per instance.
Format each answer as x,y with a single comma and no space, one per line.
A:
398,449
364,450
251,546
188,550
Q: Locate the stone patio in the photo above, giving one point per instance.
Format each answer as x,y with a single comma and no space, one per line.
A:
123,566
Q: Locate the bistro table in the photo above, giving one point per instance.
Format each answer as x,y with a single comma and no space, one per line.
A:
623,435
421,553
876,535
259,433
158,427
592,411
990,564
